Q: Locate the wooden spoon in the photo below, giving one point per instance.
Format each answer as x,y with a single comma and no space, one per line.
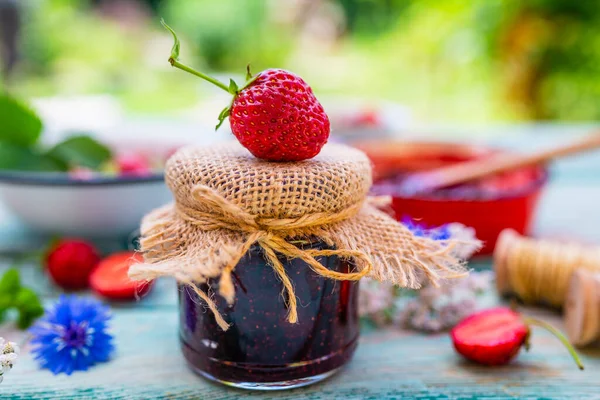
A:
472,170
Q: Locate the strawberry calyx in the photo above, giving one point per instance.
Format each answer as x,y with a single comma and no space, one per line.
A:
232,88
536,322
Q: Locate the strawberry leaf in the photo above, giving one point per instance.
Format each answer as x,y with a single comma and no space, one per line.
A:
233,87
19,158
176,45
222,116
250,81
248,73
80,151
20,125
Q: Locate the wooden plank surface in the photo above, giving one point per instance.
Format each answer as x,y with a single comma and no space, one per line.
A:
389,364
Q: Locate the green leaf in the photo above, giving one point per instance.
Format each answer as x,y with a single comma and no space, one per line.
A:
30,310
176,46
29,307
23,299
250,81
233,87
26,319
80,151
18,158
27,299
248,73
5,301
10,282
19,125
222,116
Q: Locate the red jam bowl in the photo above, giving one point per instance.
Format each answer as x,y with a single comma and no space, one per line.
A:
489,206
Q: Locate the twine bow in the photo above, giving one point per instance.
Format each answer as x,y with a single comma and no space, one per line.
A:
270,234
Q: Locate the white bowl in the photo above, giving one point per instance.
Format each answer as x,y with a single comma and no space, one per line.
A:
100,207
103,206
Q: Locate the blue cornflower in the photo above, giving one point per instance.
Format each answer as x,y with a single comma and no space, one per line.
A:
71,336
421,230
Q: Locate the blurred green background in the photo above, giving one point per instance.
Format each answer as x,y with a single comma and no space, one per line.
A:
452,60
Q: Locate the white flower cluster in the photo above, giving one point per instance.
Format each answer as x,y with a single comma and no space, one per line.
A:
430,309
467,241
9,352
440,309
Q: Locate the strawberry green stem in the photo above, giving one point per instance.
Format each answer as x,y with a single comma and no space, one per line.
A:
192,71
174,61
558,335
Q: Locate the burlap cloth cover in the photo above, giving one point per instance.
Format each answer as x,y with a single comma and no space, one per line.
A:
226,201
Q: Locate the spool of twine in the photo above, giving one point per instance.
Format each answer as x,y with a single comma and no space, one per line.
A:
582,308
539,271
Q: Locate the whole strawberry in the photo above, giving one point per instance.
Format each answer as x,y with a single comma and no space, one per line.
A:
495,336
70,263
275,115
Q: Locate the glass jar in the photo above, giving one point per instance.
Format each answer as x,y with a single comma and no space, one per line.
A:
261,349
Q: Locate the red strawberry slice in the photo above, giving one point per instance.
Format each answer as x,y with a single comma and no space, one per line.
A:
495,336
110,278
491,337
70,263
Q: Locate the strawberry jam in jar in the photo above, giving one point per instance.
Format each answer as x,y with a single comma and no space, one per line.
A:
261,349
268,256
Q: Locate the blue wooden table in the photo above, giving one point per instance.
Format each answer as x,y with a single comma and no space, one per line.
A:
389,364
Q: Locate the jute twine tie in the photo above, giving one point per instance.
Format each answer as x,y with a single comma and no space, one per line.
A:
270,234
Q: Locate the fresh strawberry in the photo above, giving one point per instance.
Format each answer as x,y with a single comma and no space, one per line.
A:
133,164
275,115
495,336
110,278
70,263
491,337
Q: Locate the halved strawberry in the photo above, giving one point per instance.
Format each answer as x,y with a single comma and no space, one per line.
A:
491,337
495,336
110,278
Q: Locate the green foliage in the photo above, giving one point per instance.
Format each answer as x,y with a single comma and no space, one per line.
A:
20,130
18,124
10,282
472,61
18,158
370,17
22,299
230,33
81,151
67,47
